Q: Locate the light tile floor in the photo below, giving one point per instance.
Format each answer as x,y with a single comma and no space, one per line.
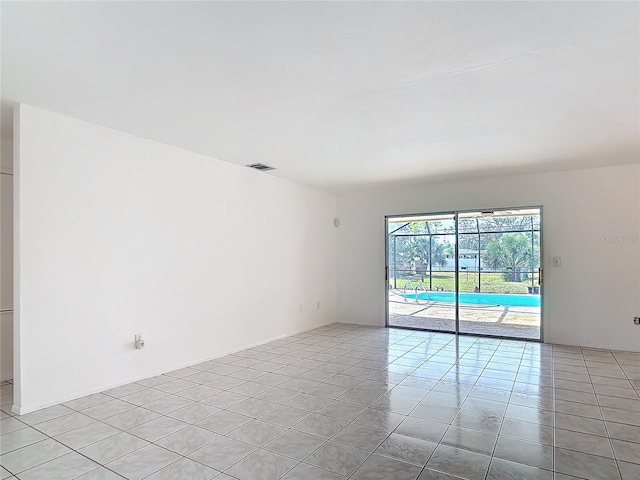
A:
345,401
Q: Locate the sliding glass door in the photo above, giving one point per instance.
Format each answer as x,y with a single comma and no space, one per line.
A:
466,272
421,265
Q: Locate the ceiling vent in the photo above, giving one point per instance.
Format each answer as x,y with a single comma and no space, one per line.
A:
261,166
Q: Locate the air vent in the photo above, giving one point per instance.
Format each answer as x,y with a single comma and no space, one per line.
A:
261,166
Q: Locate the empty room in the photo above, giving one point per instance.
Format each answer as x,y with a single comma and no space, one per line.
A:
320,240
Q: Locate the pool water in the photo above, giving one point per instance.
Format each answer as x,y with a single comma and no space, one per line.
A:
507,300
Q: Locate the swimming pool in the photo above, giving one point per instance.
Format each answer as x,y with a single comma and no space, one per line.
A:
507,300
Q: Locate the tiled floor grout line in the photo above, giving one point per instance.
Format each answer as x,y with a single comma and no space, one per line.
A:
491,457
606,427
397,347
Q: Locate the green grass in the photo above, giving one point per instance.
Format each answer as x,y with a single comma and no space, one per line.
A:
491,282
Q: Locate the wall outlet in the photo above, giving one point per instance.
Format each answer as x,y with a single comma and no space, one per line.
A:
318,305
300,307
636,320
139,341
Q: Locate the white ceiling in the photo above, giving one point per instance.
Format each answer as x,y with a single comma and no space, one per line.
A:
337,94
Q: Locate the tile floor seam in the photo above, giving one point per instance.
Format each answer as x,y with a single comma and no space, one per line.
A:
383,357
605,423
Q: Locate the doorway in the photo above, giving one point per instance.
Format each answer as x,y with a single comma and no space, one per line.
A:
473,272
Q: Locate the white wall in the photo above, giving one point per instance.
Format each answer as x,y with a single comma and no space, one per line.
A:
118,235
6,259
590,300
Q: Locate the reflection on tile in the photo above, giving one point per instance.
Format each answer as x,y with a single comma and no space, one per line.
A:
473,440
380,419
528,414
422,429
477,421
407,449
459,462
506,470
438,413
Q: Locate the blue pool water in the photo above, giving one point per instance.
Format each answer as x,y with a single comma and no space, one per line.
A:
507,300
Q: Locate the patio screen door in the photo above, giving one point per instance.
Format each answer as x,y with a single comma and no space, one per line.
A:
466,272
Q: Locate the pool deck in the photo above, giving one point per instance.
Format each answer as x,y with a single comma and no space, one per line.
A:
503,321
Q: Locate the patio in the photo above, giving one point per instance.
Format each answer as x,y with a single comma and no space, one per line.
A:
503,321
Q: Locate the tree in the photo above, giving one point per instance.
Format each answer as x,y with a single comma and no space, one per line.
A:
511,252
414,254
425,255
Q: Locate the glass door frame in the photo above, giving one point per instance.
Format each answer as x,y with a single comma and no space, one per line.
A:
455,214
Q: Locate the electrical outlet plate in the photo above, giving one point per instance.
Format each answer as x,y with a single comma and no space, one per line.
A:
636,320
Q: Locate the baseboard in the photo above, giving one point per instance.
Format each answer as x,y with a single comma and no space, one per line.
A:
29,409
